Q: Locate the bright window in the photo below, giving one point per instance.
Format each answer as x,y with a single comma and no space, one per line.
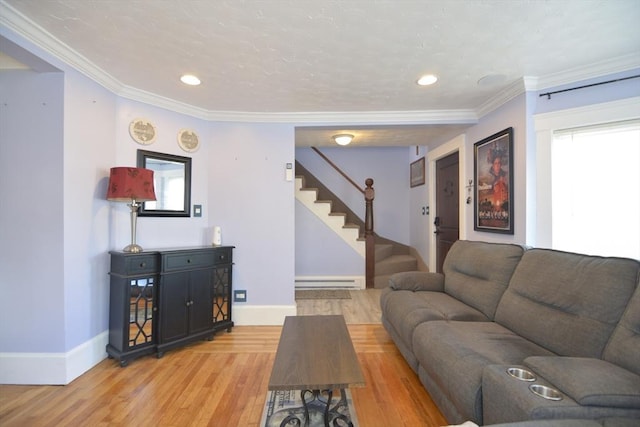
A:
595,184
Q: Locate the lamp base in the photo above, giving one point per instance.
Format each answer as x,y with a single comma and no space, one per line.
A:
133,248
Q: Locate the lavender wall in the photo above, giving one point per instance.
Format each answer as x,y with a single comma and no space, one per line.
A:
319,251
31,212
512,114
253,204
590,95
89,135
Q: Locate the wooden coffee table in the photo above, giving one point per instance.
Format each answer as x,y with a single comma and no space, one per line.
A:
315,355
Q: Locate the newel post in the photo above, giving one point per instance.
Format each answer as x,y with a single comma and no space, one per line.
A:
370,262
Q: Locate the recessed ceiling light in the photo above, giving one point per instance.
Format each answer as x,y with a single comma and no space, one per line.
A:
190,79
427,80
343,138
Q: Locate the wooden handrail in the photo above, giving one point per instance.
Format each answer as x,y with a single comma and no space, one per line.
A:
338,169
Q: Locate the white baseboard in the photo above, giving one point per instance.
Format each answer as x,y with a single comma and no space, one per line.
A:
62,368
330,282
261,315
52,368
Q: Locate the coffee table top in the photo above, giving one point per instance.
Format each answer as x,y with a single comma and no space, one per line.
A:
315,353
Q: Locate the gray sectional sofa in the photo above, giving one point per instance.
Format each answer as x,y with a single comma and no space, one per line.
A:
571,321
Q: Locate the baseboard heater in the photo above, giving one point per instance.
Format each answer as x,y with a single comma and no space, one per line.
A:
341,282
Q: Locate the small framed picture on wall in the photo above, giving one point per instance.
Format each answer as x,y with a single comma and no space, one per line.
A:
416,173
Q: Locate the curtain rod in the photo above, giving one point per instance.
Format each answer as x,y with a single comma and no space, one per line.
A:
548,94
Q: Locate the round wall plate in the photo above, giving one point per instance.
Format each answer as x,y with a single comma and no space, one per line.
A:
188,140
142,131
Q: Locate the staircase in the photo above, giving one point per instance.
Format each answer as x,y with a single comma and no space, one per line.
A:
390,257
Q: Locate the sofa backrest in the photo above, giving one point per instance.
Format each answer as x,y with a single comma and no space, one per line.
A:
477,273
568,303
623,348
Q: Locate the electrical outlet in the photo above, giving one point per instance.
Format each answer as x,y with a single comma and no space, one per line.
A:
239,296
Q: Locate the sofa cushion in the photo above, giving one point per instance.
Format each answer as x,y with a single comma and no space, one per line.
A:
624,347
417,281
588,381
454,355
477,273
404,310
565,302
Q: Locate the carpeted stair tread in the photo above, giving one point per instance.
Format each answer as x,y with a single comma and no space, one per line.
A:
396,264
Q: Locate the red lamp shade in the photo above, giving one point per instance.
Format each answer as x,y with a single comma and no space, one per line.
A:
127,184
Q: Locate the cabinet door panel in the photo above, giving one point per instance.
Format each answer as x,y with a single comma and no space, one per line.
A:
200,309
222,294
174,307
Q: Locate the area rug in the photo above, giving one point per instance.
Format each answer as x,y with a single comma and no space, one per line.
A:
322,294
285,409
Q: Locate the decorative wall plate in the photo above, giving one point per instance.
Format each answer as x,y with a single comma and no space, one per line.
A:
188,140
142,131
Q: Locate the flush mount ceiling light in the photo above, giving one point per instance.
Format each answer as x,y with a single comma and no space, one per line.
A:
190,79
343,138
427,80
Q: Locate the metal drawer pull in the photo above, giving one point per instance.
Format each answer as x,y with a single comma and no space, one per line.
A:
143,264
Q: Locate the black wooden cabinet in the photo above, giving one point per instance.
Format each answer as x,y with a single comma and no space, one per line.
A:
167,298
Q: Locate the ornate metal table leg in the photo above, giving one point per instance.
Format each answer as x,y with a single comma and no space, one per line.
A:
316,396
305,406
326,409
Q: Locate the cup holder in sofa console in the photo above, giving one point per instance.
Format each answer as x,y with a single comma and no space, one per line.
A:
521,374
545,392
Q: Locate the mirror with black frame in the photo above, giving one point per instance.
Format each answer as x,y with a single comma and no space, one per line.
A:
172,181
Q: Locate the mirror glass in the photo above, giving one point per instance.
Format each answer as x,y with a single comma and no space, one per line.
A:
172,181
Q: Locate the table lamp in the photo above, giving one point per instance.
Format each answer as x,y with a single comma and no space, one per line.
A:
133,185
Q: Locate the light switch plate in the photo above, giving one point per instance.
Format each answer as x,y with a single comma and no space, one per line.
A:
239,296
197,210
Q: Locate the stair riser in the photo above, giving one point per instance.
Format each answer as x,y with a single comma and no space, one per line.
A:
396,267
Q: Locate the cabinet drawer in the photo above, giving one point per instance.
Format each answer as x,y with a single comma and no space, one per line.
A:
141,264
187,261
223,256
130,265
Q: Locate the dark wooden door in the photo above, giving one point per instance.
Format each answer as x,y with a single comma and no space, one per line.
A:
447,207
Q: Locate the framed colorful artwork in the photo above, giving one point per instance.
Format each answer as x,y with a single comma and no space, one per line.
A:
493,170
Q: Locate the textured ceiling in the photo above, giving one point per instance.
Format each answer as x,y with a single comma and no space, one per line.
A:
344,58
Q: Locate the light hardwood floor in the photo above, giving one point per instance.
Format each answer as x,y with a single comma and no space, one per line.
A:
224,382
362,308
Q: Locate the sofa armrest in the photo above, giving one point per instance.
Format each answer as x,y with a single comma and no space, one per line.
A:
417,281
589,381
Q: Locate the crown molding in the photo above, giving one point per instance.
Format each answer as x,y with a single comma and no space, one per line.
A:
598,69
352,117
30,31
513,90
